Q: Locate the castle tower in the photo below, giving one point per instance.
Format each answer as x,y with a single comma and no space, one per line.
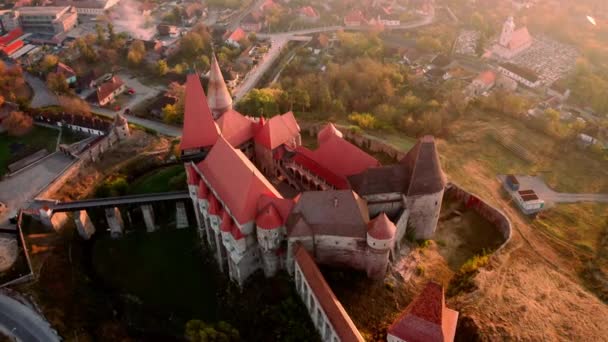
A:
218,96
507,32
270,232
380,240
121,126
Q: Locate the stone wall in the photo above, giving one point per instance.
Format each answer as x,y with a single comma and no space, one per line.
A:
493,215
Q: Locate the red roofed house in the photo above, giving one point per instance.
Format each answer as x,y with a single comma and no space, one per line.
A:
236,36
67,72
107,91
253,22
482,83
354,18
308,13
273,137
426,319
512,42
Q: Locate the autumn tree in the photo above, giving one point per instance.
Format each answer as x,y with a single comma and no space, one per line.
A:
161,67
74,105
57,83
17,123
49,62
136,53
260,102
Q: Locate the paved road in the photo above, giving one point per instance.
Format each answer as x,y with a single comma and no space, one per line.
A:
43,96
234,23
17,190
549,195
151,124
20,322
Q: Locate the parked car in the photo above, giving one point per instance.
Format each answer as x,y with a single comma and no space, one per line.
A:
117,108
131,91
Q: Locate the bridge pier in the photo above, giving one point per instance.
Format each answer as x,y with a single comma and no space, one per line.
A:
181,217
115,222
51,219
83,224
148,213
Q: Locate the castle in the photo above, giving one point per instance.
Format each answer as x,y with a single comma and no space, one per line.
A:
349,209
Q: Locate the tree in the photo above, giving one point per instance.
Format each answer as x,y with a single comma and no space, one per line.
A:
161,67
111,33
429,44
101,34
171,114
260,102
136,53
57,83
49,62
363,120
74,105
199,331
17,123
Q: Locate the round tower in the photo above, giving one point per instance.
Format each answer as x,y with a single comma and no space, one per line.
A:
269,229
380,240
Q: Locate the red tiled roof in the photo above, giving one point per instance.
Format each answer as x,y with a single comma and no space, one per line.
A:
11,36
215,208
65,70
12,47
381,228
235,127
237,35
308,11
203,190
283,205
354,17
235,180
304,157
193,176
337,316
519,38
107,88
199,128
487,77
226,225
336,155
218,96
269,218
236,232
278,130
426,319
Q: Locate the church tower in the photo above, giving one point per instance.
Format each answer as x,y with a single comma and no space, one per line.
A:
507,32
218,96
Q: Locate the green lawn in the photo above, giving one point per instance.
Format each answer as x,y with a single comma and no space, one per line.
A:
165,270
37,139
160,181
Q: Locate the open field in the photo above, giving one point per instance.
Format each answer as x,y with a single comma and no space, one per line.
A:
541,278
15,148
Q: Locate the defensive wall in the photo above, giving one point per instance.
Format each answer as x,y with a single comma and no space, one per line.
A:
21,272
485,210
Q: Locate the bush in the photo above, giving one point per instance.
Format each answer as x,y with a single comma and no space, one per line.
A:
17,124
113,187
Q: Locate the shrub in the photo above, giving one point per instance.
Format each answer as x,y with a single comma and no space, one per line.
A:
17,124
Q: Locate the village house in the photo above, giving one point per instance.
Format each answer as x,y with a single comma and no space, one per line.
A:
557,89
522,75
309,14
67,72
167,30
236,37
107,91
252,22
482,83
354,18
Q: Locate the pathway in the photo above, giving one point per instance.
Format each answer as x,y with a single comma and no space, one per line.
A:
22,323
547,194
43,96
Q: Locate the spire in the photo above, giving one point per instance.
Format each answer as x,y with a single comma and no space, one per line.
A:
220,100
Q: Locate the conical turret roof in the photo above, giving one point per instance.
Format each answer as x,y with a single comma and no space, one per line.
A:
218,95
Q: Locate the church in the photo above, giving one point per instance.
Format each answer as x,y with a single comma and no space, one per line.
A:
512,41
341,204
